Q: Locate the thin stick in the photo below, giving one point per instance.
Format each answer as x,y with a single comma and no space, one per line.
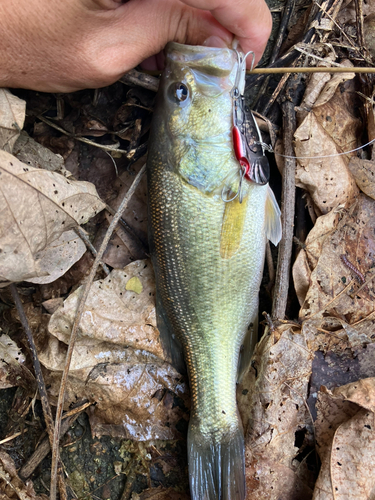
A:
316,69
13,436
84,236
288,9
47,413
106,147
287,213
80,308
44,447
37,368
271,269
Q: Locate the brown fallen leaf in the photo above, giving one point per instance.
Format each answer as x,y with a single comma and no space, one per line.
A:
346,442
363,172
12,370
330,88
271,402
118,360
308,256
334,288
58,257
36,207
328,180
12,117
137,395
35,155
113,313
329,129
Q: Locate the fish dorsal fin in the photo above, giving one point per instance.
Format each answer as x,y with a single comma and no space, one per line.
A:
272,218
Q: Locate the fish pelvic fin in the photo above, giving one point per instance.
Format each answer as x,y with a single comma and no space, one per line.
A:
216,466
273,218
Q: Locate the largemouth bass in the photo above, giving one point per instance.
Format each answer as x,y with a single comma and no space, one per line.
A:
207,252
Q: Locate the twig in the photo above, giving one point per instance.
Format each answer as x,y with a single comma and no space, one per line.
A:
73,335
83,235
107,147
13,436
275,93
288,9
134,77
37,368
316,69
271,269
47,413
359,19
351,43
287,210
44,448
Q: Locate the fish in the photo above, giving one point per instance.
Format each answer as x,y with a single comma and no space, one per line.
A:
208,225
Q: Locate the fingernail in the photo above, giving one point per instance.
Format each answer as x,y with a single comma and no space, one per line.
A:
215,41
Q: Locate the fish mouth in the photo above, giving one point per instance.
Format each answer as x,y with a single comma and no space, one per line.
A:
215,61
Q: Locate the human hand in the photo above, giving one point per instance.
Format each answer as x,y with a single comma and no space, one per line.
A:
63,46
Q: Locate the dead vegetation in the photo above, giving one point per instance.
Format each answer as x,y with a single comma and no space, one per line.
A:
83,298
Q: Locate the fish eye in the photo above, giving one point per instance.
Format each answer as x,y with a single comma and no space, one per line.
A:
178,92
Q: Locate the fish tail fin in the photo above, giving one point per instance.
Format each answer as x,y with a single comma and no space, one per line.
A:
216,467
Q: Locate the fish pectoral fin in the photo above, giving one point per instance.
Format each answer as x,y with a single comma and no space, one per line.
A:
273,218
170,344
232,227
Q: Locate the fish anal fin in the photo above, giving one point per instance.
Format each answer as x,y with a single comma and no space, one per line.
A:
272,218
232,227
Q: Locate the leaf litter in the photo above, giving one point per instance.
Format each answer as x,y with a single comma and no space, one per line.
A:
307,401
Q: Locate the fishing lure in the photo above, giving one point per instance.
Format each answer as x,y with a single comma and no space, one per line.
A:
247,139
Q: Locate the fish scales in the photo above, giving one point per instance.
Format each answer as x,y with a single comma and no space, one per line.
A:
207,254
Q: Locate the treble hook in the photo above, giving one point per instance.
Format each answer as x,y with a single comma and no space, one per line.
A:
239,192
239,84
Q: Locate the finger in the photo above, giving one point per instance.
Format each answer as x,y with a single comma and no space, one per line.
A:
250,21
148,25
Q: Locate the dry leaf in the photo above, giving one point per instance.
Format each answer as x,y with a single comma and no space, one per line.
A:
363,172
58,257
118,360
346,442
113,313
36,207
12,371
336,290
35,155
137,395
308,256
12,117
328,180
331,85
271,402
